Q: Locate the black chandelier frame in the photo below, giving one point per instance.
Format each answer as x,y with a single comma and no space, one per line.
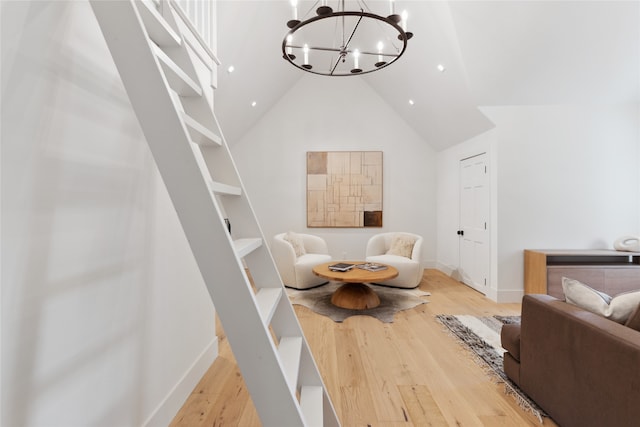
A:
325,12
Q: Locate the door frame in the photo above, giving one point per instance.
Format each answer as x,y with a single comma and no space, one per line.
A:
487,289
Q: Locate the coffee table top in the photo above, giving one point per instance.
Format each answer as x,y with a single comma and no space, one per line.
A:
355,275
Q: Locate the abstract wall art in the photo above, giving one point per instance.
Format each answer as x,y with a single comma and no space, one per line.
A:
344,189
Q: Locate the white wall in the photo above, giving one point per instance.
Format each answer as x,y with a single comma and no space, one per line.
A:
567,177
337,114
105,318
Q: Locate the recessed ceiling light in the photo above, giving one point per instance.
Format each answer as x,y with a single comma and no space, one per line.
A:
441,68
411,102
254,103
231,69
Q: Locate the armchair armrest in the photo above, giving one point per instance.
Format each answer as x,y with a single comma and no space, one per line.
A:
376,246
285,258
314,244
416,253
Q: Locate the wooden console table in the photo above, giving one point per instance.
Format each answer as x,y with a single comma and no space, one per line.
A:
608,271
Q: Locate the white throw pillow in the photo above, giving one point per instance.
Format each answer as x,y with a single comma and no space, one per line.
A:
617,308
402,246
297,242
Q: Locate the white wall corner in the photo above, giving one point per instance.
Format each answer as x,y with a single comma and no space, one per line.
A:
430,263
446,269
171,404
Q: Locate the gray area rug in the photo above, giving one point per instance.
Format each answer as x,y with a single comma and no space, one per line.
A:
392,300
481,336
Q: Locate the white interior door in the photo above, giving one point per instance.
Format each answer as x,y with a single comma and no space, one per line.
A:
474,222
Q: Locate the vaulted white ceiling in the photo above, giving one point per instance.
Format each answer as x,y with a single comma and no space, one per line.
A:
495,53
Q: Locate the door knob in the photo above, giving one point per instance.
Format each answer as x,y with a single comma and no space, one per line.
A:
460,233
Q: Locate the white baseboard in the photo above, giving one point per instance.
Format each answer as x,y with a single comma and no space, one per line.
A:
497,295
171,404
508,295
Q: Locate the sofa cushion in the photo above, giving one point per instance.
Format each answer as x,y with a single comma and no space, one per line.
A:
311,260
401,245
616,308
297,242
633,321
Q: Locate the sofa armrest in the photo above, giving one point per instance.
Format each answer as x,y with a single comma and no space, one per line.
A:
510,340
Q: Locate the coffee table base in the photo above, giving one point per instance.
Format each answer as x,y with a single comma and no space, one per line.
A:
355,296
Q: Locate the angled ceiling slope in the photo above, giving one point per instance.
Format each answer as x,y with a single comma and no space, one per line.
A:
494,52
443,110
550,52
249,38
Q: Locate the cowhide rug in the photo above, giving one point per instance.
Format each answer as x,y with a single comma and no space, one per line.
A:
392,300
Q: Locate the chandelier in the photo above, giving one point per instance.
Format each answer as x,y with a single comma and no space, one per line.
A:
344,42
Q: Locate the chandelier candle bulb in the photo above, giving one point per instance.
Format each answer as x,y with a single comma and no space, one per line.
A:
305,49
294,22
356,65
289,48
381,60
391,7
405,15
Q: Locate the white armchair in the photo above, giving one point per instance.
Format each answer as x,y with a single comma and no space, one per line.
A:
400,250
296,268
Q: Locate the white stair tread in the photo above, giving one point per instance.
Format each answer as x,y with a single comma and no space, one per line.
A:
225,189
244,247
289,350
199,133
157,27
178,79
268,299
311,398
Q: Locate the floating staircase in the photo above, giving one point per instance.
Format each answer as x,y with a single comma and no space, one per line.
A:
159,72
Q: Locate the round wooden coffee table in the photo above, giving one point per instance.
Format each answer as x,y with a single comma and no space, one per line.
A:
354,294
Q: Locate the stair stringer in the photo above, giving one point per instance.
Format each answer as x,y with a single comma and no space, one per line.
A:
202,220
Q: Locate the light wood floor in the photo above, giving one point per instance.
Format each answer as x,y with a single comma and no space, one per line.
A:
406,373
